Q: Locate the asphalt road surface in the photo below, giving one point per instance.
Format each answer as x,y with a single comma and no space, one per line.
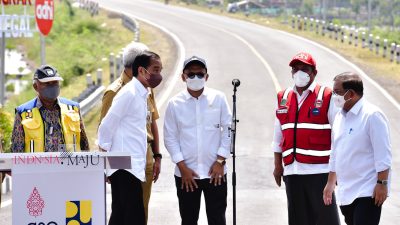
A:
259,57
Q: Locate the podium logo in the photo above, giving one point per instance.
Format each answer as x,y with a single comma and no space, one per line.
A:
78,212
35,203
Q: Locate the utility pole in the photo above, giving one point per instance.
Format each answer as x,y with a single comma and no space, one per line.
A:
2,69
324,10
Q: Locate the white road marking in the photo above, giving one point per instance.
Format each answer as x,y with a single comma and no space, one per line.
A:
181,55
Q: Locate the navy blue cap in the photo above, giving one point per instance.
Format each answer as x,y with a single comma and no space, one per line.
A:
47,73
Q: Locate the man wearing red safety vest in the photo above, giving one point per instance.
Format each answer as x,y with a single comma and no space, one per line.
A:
302,143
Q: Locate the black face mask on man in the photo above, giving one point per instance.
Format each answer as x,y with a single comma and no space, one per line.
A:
154,80
51,92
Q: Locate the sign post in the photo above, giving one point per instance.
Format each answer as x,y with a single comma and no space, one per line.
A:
44,15
12,26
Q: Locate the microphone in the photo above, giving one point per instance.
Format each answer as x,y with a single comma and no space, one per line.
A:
236,82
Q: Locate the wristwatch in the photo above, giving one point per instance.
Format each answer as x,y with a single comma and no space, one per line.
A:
157,155
221,161
383,182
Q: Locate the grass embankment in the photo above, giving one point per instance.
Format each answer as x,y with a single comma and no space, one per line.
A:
381,69
76,46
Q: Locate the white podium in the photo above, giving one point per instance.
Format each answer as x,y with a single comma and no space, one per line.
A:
55,188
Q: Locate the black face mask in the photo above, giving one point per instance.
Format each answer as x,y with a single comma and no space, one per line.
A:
51,92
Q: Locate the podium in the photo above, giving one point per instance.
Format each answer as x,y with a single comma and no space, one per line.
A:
54,188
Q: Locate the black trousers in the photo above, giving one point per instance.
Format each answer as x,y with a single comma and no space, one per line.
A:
305,203
127,199
215,200
362,211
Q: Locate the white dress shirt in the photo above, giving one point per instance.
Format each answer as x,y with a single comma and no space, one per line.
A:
197,130
123,129
297,167
360,149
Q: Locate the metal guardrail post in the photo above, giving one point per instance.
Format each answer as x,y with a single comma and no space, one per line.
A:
392,51
342,34
356,38
99,77
398,54
323,28
336,32
89,80
371,42
298,22
118,64
351,37
364,44
293,22
311,24
317,26
91,101
112,67
385,45
377,44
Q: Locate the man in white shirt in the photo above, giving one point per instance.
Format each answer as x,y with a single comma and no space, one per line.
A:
123,129
302,142
197,136
361,154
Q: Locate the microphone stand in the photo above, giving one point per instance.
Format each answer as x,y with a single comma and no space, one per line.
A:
235,84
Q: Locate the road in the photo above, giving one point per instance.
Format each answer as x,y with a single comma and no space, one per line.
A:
259,57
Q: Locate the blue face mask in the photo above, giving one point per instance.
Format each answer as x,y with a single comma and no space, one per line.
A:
51,92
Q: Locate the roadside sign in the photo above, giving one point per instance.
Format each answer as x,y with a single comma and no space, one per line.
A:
44,14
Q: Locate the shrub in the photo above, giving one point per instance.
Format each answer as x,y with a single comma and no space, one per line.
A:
5,130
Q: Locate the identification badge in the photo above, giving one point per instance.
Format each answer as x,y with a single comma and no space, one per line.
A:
315,112
282,111
283,102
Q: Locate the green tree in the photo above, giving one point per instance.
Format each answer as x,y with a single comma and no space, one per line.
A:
391,10
308,7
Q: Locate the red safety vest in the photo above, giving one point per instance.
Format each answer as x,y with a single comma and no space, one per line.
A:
306,131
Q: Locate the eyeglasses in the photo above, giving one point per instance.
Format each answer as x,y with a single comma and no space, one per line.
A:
198,75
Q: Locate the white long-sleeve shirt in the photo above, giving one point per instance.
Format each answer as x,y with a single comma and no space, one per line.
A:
123,129
360,149
196,131
297,167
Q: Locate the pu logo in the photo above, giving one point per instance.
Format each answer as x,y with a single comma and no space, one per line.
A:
78,212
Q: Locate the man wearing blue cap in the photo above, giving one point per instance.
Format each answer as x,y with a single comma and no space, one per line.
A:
48,123
196,136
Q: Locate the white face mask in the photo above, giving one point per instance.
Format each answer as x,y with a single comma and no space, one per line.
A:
339,100
196,83
301,78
